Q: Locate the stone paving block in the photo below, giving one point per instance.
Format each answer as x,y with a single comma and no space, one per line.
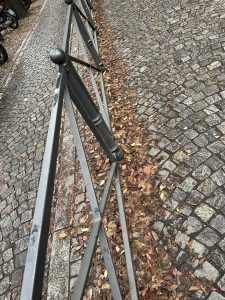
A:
178,195
201,140
221,283
173,147
221,127
21,245
213,119
8,267
208,271
186,210
211,109
216,147
219,177
4,285
170,205
154,151
188,184
195,198
16,277
158,226
191,133
198,248
208,237
217,200
201,173
182,171
218,259
204,212
180,156
190,148
218,223
7,255
207,187
169,165
182,239
181,257
192,225
20,259
26,216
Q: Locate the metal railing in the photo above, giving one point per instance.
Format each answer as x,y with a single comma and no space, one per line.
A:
71,90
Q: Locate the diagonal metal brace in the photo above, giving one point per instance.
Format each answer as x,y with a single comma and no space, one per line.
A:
92,242
89,4
88,14
86,106
87,39
89,18
84,63
95,209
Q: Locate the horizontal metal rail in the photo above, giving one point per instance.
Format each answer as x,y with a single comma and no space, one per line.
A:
71,90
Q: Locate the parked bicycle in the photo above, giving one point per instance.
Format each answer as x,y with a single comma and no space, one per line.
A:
8,18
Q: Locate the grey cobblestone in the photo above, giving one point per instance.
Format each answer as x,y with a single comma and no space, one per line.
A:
208,237
181,239
201,173
198,248
192,225
4,285
219,177
204,212
218,259
207,187
221,283
216,296
207,271
219,223
188,184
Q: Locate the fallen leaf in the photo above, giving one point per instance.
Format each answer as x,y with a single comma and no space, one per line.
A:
105,286
63,234
147,170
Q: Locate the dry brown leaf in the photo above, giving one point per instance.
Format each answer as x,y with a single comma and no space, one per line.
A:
194,288
147,170
63,234
105,286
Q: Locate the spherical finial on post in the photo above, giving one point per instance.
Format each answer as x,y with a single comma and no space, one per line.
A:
69,2
58,56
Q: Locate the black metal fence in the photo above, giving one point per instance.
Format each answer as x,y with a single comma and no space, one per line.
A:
71,91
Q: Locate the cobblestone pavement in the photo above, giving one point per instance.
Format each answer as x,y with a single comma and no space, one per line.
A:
14,40
175,51
24,115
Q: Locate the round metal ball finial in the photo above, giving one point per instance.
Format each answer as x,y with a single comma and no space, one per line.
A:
58,56
69,2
